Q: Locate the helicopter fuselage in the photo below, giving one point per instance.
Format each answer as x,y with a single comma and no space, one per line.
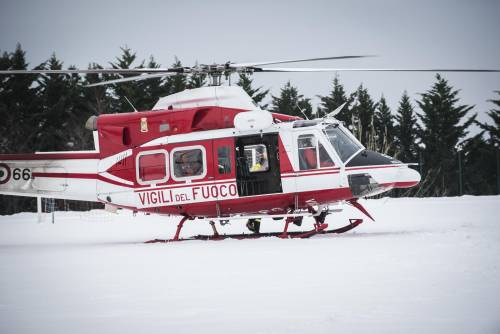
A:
210,173
209,152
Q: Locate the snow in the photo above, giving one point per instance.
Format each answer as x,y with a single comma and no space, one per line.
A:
424,266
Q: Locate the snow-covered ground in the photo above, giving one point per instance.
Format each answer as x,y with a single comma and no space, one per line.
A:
424,266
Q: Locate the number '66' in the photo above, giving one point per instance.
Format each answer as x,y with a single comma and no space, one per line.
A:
19,173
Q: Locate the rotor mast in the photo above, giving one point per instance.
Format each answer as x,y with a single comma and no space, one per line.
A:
215,72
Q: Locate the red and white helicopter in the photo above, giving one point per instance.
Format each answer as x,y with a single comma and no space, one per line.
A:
212,153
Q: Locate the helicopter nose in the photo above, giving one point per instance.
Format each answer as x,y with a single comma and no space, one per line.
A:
406,178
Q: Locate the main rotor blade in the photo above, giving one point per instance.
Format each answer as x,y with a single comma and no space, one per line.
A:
233,65
136,78
291,69
96,71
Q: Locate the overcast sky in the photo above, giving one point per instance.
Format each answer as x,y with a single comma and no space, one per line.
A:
419,33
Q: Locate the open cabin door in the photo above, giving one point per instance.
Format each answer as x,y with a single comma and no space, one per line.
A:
257,165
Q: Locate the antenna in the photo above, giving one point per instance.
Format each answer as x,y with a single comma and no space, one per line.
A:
130,103
336,111
301,111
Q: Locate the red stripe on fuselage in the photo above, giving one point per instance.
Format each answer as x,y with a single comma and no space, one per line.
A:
407,184
334,170
372,167
309,174
67,175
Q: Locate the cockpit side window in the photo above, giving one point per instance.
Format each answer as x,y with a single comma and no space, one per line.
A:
324,158
312,154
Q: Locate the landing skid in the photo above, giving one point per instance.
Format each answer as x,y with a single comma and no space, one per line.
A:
319,229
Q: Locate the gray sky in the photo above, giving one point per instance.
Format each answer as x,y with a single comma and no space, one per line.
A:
403,33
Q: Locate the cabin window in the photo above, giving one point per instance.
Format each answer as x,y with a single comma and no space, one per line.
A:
224,159
189,163
311,151
256,158
152,167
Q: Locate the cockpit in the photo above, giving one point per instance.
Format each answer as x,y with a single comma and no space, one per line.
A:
322,144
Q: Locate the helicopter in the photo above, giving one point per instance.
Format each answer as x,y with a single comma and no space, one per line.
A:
211,153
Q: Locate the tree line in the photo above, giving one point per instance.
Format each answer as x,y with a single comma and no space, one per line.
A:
47,112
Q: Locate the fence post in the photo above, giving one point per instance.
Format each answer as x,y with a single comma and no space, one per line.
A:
39,208
498,169
460,185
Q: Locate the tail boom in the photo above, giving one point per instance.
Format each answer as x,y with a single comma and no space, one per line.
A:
64,175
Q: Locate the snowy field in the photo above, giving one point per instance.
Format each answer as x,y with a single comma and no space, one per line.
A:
424,266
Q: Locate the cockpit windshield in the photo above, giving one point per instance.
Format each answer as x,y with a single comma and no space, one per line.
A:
341,142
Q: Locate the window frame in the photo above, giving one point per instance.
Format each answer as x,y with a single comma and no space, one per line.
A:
315,147
332,159
137,164
318,140
188,178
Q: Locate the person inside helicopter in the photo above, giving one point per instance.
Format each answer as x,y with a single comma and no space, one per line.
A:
191,169
261,164
188,164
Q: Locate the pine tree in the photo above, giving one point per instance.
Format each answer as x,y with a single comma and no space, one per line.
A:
479,166
178,82
363,111
133,90
443,127
18,103
62,116
493,129
196,81
336,98
152,88
257,94
406,131
483,155
384,127
97,99
290,102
